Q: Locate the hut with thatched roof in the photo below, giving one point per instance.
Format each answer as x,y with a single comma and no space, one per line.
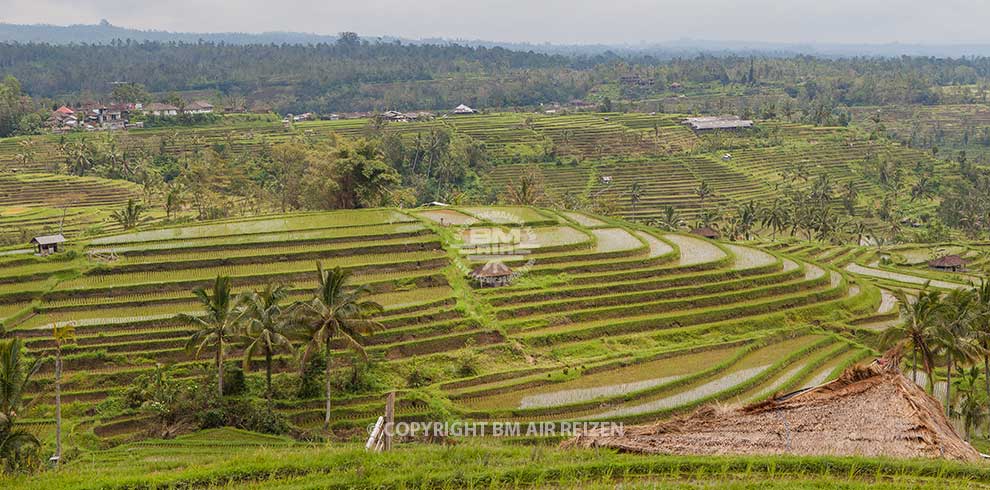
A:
948,263
706,231
493,274
871,410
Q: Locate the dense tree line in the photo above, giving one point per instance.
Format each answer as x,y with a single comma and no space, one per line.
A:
353,74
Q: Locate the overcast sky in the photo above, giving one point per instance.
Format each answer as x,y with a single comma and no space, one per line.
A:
556,21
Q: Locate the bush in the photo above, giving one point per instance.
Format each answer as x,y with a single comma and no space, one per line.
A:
311,382
233,380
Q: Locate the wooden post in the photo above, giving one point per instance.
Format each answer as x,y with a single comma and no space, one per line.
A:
389,420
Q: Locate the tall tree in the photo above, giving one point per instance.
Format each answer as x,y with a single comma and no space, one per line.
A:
130,215
217,327
635,194
953,334
918,331
267,328
15,374
337,312
981,330
63,335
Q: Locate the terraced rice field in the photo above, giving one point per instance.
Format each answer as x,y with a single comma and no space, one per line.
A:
607,311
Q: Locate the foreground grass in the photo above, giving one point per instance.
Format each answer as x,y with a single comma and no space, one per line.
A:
218,461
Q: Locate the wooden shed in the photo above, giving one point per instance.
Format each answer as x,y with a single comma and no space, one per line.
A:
48,244
707,232
948,263
493,274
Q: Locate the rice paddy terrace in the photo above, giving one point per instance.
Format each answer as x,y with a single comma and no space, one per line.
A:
47,203
606,319
654,151
748,173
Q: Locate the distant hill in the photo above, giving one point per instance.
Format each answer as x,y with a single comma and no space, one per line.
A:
105,33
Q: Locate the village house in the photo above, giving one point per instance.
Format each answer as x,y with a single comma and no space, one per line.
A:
394,116
463,109
161,110
198,107
62,119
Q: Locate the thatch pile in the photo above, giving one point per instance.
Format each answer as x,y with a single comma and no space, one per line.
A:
868,411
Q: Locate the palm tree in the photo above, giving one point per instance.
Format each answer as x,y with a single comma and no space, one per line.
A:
972,403
63,335
635,194
266,328
15,373
336,312
775,217
703,191
130,215
527,190
953,335
981,330
218,326
669,219
918,329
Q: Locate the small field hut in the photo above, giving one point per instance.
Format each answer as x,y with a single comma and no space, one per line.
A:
48,244
948,263
706,232
493,274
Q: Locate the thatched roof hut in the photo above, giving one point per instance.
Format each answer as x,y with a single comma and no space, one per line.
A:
706,231
493,274
948,262
869,411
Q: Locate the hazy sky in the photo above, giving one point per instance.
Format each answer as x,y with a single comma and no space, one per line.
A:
558,21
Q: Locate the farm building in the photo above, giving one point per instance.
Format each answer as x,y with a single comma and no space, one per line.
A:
463,109
706,232
159,109
47,244
710,123
492,274
869,411
198,107
948,263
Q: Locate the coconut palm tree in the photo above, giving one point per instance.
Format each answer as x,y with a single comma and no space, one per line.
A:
266,328
953,334
336,312
130,215
981,330
918,331
703,191
669,219
972,402
775,217
15,373
218,327
63,335
635,194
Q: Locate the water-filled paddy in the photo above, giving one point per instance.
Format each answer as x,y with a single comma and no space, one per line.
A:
609,383
749,367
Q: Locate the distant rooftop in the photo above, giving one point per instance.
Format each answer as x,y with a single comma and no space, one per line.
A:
717,122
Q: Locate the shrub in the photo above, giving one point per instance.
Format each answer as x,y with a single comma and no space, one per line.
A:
233,380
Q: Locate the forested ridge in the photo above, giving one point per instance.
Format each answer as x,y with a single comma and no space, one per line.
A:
356,75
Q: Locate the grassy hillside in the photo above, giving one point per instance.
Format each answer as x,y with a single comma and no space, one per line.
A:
227,458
